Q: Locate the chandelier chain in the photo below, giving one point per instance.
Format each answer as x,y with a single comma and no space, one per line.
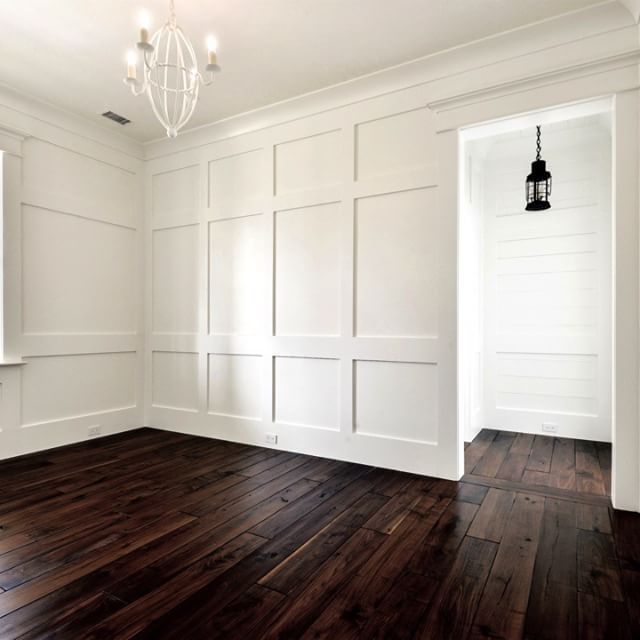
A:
538,143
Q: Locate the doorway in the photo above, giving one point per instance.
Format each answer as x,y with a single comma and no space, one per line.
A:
535,300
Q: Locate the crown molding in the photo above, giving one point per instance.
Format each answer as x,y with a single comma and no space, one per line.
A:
30,117
597,31
14,132
467,98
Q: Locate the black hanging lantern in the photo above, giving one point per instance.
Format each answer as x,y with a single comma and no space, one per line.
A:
538,187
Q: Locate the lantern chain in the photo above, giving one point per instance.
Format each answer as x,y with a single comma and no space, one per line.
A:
538,143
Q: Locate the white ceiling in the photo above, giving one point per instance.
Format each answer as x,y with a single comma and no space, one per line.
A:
71,53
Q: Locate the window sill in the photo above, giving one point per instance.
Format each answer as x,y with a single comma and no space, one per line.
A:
12,363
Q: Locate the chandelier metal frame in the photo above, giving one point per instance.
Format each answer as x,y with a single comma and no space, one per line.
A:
170,76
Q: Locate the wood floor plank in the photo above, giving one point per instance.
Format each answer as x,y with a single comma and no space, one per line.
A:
389,516
589,478
594,518
598,572
476,449
28,592
631,587
454,606
471,492
291,574
503,607
523,444
327,497
540,456
133,618
535,477
436,554
197,541
626,526
553,603
563,464
604,458
601,618
299,613
513,466
493,515
245,616
495,455
363,595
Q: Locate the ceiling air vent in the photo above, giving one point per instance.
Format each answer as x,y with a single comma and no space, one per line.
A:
116,117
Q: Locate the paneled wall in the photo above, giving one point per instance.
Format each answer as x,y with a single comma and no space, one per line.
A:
295,281
548,284
73,288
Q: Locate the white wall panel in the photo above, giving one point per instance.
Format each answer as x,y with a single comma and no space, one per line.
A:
58,387
236,276
308,163
396,264
79,275
397,143
237,177
397,400
175,280
174,192
307,391
75,181
308,263
175,380
235,385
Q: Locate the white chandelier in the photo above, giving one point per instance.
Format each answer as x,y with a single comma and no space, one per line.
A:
170,75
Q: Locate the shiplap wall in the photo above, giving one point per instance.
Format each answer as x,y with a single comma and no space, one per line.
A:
73,284
295,282
548,284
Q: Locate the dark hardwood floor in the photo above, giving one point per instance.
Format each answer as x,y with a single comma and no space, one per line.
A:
557,463
159,535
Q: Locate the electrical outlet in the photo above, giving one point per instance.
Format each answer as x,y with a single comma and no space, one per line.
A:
94,431
271,438
549,427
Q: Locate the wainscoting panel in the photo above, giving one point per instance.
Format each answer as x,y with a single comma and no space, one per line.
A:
71,386
308,270
175,280
175,380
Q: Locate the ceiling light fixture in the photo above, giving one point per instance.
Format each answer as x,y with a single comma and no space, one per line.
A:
170,75
538,188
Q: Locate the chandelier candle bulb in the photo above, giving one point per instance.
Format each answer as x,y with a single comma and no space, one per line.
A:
132,71
145,23
211,49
